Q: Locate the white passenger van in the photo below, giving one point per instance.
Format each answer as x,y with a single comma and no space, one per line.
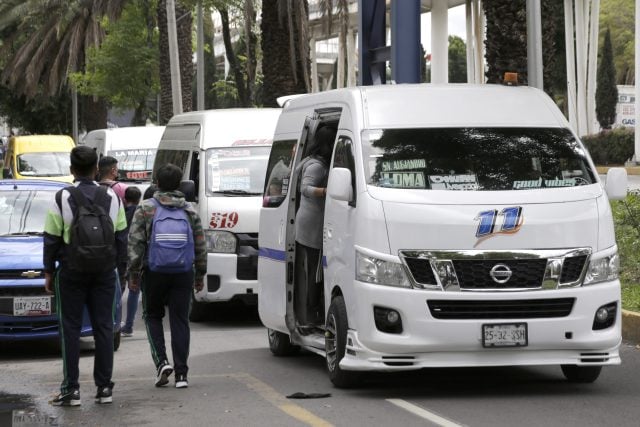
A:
464,225
134,147
224,153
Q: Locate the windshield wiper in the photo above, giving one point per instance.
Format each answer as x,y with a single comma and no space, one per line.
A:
236,193
24,233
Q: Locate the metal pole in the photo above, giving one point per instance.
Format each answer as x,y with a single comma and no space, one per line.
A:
74,113
439,42
176,89
200,63
637,106
405,41
534,44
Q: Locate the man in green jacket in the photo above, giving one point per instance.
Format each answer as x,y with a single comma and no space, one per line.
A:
160,289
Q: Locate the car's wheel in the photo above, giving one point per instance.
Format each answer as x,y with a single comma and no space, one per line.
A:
280,344
116,341
198,310
581,374
336,343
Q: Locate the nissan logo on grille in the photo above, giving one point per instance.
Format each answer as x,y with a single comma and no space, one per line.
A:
500,273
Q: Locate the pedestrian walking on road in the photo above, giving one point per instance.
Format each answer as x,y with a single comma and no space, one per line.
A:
85,236
108,173
166,245
132,198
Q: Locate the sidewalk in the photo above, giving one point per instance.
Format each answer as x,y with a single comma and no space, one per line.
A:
631,326
631,170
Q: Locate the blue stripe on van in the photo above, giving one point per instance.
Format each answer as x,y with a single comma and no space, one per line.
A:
274,254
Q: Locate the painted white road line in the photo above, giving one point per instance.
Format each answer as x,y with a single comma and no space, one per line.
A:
423,413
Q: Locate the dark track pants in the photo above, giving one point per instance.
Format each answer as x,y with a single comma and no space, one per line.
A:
173,290
97,292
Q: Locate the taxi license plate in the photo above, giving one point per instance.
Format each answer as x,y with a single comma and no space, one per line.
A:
31,306
504,335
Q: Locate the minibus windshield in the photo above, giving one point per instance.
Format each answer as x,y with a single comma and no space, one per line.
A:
236,171
44,164
135,164
475,159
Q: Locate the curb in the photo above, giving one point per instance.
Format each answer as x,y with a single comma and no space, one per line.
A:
631,170
631,326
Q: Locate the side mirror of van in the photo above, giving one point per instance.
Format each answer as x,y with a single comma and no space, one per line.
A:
339,186
616,184
188,187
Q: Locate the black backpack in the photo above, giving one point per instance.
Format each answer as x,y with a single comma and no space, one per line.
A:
92,238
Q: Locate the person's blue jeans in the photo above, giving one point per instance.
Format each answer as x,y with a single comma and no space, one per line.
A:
132,307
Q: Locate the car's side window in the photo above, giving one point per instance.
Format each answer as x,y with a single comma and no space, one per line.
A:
278,173
343,158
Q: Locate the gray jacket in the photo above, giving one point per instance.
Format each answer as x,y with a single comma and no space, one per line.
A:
310,215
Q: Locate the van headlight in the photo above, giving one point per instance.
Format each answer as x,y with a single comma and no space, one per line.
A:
603,268
380,272
220,241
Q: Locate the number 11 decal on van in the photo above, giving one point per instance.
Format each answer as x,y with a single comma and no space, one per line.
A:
459,225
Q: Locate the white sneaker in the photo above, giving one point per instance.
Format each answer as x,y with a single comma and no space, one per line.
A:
164,370
181,381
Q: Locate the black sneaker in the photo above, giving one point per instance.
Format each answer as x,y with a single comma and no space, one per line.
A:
164,370
181,381
70,398
104,395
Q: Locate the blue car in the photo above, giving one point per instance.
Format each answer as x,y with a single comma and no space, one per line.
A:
27,312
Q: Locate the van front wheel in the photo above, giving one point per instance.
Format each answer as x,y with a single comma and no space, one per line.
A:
581,374
280,344
336,343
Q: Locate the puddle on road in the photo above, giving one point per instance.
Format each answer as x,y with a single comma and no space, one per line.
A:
19,410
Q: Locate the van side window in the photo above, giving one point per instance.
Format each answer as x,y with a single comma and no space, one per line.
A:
177,157
278,173
343,158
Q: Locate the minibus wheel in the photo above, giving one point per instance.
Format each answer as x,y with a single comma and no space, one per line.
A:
581,374
280,344
335,343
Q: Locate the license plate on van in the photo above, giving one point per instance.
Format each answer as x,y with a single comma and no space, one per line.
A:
31,306
504,335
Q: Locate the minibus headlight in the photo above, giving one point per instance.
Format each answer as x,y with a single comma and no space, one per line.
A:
220,241
380,272
603,268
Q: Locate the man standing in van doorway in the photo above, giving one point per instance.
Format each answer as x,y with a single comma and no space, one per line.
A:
84,235
108,173
163,281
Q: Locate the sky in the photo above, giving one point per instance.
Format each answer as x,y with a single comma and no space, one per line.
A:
457,26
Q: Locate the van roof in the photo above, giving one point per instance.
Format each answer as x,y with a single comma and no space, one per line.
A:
224,126
128,137
443,105
42,143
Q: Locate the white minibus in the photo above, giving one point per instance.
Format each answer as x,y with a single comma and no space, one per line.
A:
224,153
464,225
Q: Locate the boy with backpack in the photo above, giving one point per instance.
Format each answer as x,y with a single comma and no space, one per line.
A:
85,235
166,245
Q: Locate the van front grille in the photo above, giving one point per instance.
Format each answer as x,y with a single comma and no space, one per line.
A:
501,309
475,274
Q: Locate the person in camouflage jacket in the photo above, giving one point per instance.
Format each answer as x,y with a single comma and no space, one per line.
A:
160,289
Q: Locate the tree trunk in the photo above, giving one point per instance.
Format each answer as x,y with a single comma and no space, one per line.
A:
236,70
94,113
280,77
185,52
251,41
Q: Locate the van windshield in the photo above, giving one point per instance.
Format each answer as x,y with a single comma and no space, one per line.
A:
475,159
236,171
44,164
134,165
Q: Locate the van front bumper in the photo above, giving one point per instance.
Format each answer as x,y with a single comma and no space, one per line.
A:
222,283
426,341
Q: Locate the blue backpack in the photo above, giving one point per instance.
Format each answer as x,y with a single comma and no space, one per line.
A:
171,247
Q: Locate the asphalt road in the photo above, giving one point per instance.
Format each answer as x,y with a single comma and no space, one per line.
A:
235,381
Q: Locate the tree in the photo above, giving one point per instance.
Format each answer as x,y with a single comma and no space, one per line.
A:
124,68
606,91
457,60
285,49
619,17
50,42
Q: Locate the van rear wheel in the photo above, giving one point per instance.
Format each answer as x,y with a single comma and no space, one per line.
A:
336,344
581,374
280,344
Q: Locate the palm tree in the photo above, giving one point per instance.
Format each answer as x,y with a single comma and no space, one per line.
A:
285,49
185,53
58,34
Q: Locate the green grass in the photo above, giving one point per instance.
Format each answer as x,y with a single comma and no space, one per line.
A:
631,297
